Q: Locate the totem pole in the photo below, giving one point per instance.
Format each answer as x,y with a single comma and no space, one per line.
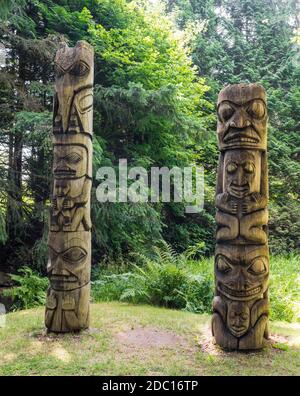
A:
240,306
69,266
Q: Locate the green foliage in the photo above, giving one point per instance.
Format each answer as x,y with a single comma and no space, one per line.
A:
178,281
149,108
31,289
153,107
285,288
284,225
163,280
123,229
243,41
168,279
3,234
9,6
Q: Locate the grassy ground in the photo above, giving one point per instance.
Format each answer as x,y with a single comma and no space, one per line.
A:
138,340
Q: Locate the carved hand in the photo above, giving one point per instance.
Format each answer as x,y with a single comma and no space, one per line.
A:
54,203
68,203
254,202
248,205
226,203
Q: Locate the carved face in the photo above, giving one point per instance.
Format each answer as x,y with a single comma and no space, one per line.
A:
69,311
68,188
61,187
242,117
238,318
242,272
74,70
69,260
242,172
70,161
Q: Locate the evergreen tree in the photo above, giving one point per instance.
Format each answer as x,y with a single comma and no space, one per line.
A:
148,108
256,41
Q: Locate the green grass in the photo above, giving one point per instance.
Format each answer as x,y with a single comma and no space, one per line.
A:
285,288
138,340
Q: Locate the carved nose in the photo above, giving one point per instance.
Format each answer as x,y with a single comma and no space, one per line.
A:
60,162
241,281
240,176
57,270
240,120
61,165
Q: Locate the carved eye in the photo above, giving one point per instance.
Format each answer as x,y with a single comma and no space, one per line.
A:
225,111
223,266
231,167
73,158
232,314
256,109
74,255
258,267
249,167
79,69
244,316
52,254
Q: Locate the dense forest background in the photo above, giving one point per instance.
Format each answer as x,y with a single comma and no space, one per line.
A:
158,68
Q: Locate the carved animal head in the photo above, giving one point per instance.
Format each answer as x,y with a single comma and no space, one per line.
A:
242,171
69,260
74,75
70,161
242,117
242,271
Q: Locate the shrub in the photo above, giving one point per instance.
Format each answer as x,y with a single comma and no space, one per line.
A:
31,289
177,281
164,280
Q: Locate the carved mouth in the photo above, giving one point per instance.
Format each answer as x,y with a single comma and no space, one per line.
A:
240,293
241,135
238,330
63,279
239,190
64,282
64,172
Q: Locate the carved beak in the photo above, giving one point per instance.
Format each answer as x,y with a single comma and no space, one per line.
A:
65,94
66,105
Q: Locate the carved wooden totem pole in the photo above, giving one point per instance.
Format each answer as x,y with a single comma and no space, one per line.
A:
240,306
69,266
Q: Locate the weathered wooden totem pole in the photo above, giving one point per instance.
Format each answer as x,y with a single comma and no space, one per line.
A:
69,266
240,306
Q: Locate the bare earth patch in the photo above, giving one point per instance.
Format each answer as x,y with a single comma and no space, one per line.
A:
148,338
152,346
44,337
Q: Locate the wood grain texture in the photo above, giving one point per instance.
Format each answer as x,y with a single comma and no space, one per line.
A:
69,242
240,306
